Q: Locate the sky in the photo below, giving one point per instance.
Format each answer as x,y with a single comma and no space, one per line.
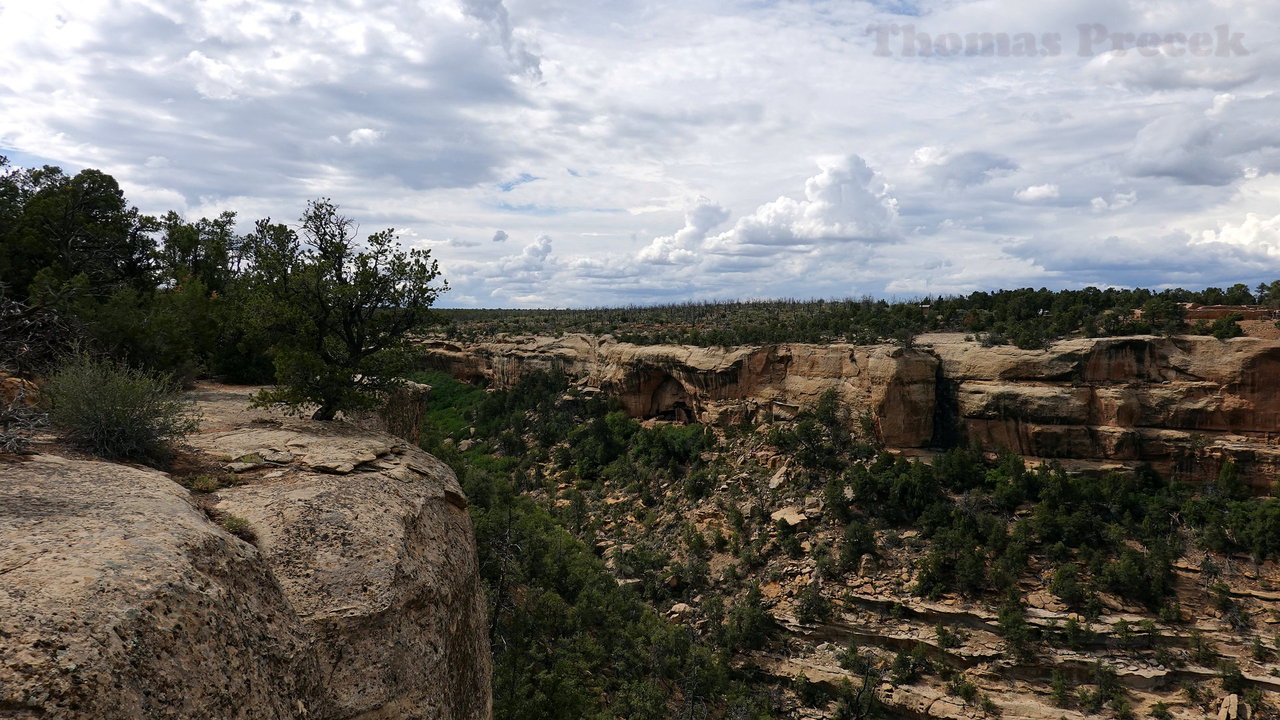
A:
566,154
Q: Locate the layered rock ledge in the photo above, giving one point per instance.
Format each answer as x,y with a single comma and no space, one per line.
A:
122,597
1184,404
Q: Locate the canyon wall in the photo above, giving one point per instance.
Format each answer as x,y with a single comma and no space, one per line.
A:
1184,404
719,385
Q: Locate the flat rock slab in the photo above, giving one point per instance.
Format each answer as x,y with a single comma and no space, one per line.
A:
119,599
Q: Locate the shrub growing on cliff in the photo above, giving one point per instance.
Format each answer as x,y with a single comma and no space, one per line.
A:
116,411
812,606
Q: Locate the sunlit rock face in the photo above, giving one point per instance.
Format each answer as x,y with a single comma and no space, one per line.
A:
359,596
1184,404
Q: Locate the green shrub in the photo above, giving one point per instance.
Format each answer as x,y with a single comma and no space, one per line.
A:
1227,327
811,606
1202,650
118,412
965,689
948,638
1232,679
907,668
204,483
1260,652
810,694
749,624
238,526
1061,692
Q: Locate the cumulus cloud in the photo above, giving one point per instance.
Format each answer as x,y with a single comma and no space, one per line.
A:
500,236
525,277
1232,140
1036,193
213,79
1220,103
845,202
680,248
1244,252
537,251
1168,69
1255,233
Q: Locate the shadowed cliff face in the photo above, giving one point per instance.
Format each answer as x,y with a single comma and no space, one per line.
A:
1184,404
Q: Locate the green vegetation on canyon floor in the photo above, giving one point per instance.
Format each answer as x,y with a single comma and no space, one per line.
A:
787,587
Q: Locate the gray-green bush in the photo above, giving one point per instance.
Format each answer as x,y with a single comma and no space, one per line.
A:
118,412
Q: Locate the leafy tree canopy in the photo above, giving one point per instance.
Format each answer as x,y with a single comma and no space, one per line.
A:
340,313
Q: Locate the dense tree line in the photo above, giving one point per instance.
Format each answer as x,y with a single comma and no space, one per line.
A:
1026,317
311,306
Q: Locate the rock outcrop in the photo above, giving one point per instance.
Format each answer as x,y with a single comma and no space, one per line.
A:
1184,404
121,597
720,384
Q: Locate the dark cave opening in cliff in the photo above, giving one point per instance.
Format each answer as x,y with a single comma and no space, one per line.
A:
663,397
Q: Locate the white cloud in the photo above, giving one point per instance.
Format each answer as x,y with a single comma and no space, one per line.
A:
844,202
962,169
417,115
494,14
680,248
1255,233
1181,147
535,253
459,242
1168,70
364,137
215,80
1220,103
1118,201
1036,193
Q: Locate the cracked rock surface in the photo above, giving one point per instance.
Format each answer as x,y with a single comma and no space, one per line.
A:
360,598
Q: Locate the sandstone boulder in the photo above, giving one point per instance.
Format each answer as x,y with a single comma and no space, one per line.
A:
119,598
792,516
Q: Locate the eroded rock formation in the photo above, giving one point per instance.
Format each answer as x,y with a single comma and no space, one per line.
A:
359,598
1184,404
720,384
